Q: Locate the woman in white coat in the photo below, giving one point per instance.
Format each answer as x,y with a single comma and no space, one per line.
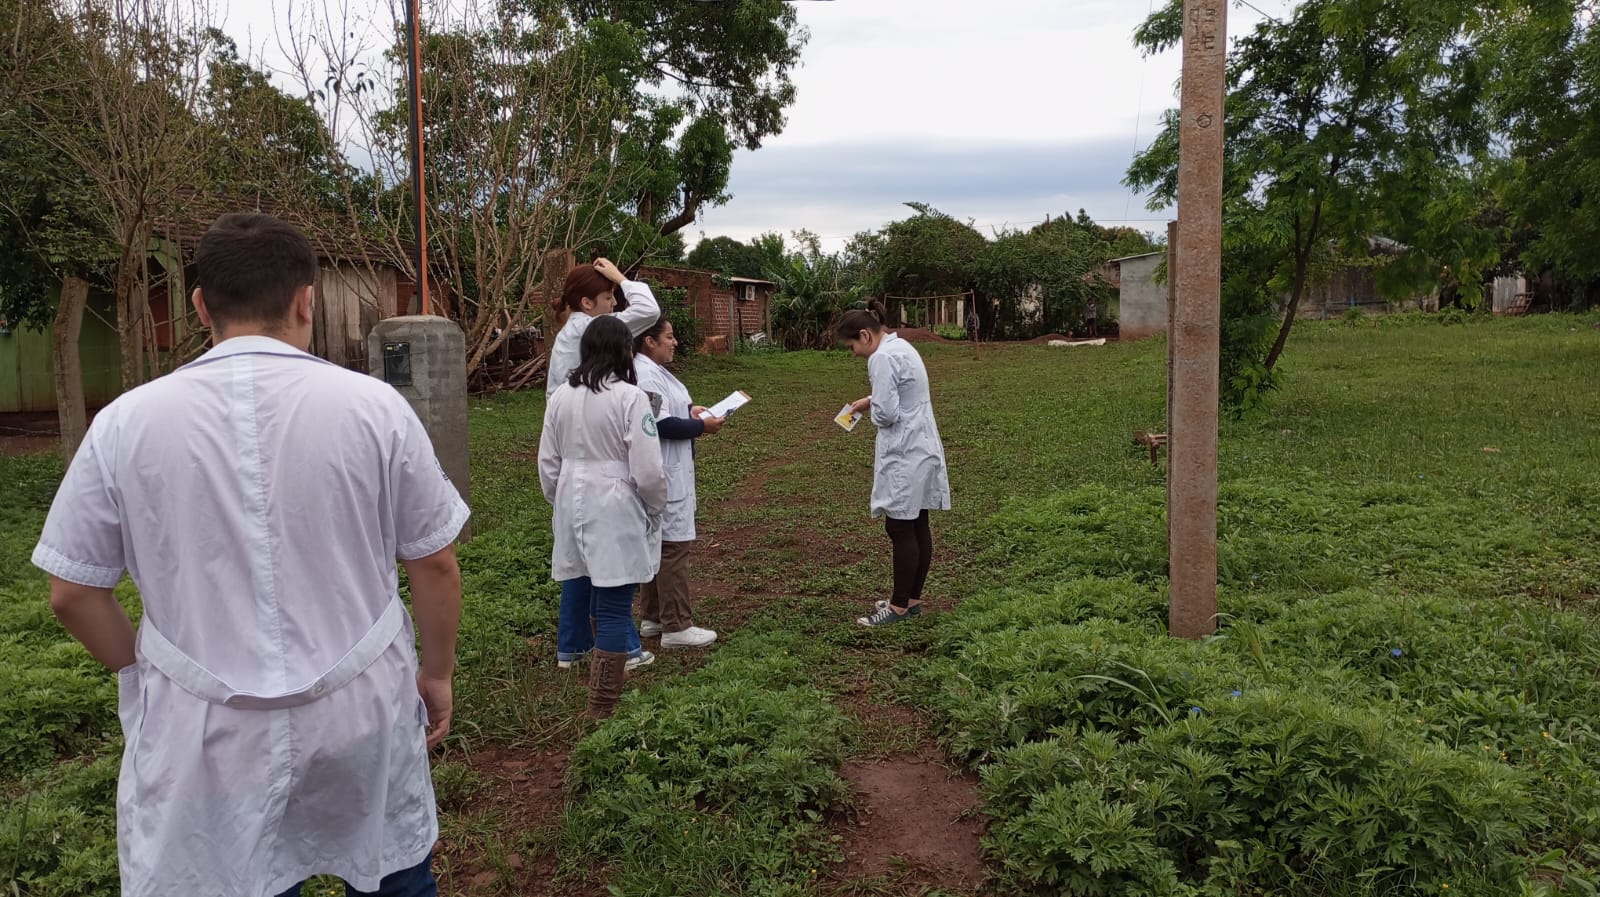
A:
600,468
590,292
909,477
664,601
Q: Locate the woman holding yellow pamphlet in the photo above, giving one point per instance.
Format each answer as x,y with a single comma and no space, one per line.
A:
909,477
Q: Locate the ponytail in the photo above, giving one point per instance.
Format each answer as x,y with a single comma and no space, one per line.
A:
852,322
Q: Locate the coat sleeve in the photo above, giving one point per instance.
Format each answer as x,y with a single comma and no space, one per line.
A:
643,310
681,427
885,390
549,455
644,454
82,538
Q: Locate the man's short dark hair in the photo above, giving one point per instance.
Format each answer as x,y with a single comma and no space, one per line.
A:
249,267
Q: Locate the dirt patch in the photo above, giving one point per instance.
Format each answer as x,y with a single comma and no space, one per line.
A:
915,822
522,792
28,434
922,335
1041,340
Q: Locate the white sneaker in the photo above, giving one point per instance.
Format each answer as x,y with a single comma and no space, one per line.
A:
693,637
649,628
644,659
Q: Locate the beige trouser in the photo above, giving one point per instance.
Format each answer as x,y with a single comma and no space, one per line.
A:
665,599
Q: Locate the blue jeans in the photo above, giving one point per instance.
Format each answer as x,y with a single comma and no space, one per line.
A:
414,882
612,610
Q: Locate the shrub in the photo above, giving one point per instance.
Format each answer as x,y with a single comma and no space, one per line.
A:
713,784
1267,793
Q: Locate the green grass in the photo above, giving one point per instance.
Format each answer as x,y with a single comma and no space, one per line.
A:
1360,514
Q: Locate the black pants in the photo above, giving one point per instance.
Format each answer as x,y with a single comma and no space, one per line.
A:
913,555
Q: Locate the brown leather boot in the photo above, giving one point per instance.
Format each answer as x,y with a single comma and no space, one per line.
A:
607,671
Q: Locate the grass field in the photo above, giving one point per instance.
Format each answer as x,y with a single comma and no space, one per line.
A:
1415,487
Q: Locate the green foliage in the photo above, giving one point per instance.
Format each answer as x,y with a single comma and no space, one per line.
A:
676,307
1346,120
715,783
733,258
813,289
950,331
702,80
1271,792
1039,281
1546,98
928,254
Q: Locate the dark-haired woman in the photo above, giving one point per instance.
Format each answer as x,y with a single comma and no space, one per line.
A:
600,467
664,601
909,478
589,293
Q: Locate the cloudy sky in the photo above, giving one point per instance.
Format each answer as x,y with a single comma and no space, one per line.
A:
998,111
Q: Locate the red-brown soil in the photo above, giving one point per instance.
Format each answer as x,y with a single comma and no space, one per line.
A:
914,822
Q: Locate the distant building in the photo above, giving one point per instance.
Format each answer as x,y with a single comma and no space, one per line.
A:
356,287
1141,310
724,313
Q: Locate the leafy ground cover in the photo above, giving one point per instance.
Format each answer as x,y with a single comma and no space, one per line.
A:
1418,487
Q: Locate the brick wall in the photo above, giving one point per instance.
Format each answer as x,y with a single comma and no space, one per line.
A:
711,304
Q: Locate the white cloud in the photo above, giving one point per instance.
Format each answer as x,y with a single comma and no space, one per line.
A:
997,110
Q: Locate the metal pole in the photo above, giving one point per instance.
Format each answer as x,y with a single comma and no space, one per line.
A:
1196,326
419,195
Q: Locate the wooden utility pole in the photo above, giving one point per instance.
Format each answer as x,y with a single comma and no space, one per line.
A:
419,193
1196,326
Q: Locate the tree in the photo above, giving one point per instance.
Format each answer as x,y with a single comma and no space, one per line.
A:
928,254
813,289
127,117
48,244
1347,120
1039,280
704,78
519,133
734,258
1546,94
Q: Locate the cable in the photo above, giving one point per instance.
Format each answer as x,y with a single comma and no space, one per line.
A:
1263,13
1138,116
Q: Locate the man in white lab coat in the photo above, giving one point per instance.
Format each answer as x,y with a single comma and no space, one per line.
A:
275,717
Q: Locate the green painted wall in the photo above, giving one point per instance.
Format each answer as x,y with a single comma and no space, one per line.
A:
27,377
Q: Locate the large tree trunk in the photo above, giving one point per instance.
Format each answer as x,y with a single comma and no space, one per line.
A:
68,366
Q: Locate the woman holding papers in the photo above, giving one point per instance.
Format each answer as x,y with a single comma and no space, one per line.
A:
600,468
664,601
909,477
591,291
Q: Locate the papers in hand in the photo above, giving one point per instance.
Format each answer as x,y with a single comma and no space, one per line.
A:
735,400
847,418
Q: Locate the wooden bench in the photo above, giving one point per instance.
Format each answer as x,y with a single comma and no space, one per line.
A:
1154,440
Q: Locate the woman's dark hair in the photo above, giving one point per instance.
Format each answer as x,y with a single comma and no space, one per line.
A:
584,282
852,322
249,266
605,352
655,331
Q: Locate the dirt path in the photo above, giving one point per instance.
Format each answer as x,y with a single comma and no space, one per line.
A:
913,827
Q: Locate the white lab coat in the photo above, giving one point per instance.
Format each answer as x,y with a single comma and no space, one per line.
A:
909,473
259,499
677,455
600,468
641,314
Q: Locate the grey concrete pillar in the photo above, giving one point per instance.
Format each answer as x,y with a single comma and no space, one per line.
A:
425,358
1196,325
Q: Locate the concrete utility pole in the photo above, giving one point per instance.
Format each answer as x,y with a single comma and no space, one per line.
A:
1196,326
